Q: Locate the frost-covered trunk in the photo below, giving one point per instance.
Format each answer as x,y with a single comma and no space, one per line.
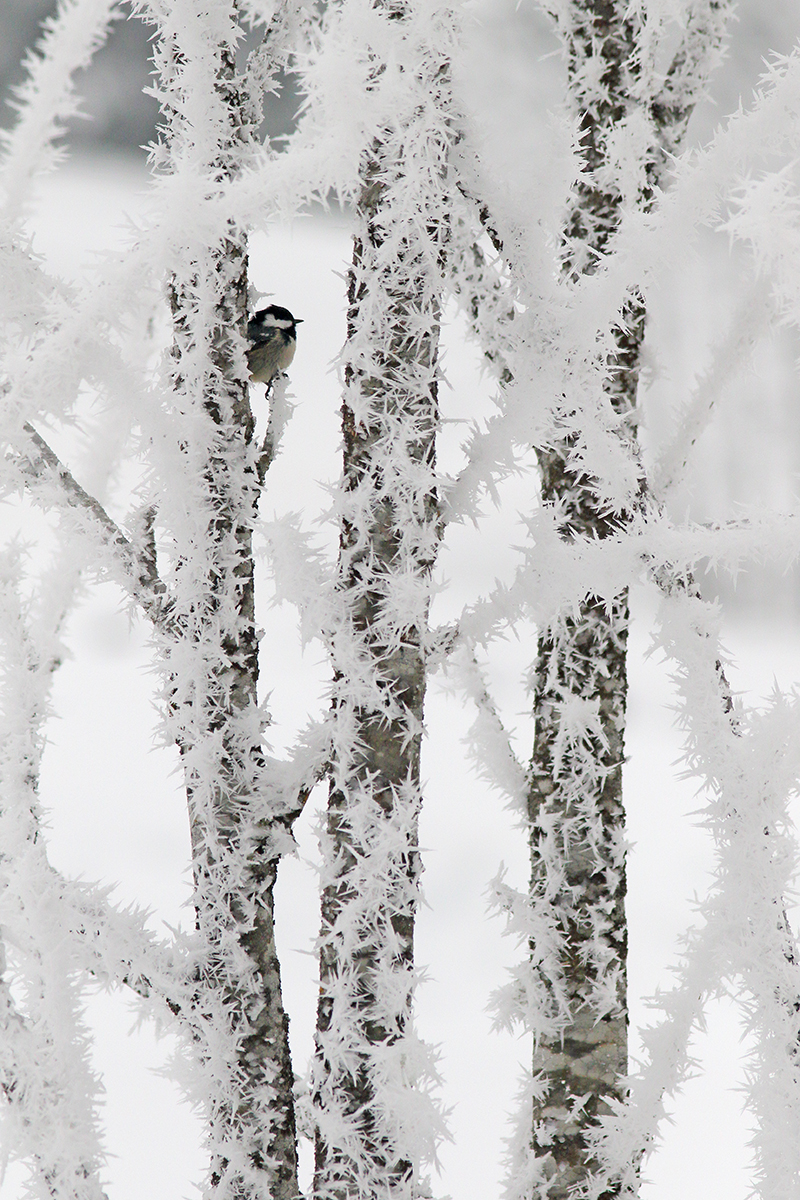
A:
626,122
214,715
210,646
370,1074
576,811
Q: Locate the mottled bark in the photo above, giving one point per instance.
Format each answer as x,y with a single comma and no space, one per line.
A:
237,1003
383,770
576,805
577,819
576,811
389,539
234,862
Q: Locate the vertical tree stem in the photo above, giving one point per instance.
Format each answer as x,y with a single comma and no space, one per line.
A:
575,806
390,534
212,664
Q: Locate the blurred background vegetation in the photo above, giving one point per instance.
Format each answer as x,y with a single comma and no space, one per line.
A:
119,115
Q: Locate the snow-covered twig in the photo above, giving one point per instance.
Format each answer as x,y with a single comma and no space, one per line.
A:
133,566
46,100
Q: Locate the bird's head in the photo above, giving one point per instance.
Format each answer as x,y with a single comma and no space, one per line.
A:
264,324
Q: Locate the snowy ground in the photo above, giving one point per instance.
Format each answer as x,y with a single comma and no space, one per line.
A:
116,813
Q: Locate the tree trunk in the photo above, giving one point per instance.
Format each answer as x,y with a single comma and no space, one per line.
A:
576,809
390,533
211,653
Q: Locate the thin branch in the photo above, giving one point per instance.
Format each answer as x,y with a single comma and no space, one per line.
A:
80,1179
120,949
485,218
295,778
754,316
687,78
488,740
41,466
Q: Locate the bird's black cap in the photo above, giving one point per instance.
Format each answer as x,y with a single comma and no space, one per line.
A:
278,313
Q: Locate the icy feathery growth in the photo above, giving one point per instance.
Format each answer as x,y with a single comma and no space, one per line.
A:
46,100
208,485
487,741
748,763
591,482
201,501
34,304
581,341
44,1069
201,497
554,350
377,1125
56,934
379,130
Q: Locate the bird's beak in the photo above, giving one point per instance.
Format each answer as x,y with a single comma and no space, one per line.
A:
298,320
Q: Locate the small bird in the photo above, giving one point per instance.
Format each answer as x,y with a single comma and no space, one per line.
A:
272,334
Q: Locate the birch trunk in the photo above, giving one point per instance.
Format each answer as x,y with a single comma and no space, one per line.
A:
211,656
390,532
576,807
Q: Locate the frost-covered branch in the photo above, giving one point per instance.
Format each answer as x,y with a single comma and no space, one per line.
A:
48,478
46,100
43,1073
112,945
487,741
699,54
561,325
593,483
755,314
240,805
44,1070
558,575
